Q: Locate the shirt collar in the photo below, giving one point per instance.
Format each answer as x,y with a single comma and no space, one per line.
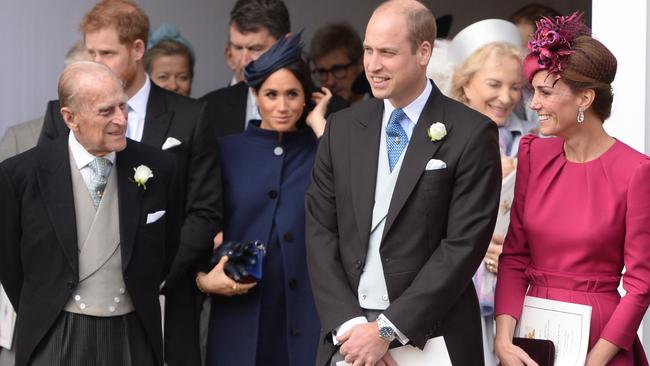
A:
138,101
413,109
83,157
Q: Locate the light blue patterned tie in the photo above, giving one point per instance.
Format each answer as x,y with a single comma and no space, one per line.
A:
396,138
97,183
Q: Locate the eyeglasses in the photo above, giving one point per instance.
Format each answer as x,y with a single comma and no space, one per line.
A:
337,71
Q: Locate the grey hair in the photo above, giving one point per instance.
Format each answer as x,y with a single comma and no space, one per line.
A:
77,77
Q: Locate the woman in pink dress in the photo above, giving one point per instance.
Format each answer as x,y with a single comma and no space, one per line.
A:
582,203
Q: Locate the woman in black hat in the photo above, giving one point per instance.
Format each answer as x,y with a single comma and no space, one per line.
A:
265,172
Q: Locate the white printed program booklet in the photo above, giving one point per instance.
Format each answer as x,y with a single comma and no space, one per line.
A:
7,320
566,324
434,353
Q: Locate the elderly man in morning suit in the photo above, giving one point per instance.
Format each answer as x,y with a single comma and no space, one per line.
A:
85,246
402,205
115,34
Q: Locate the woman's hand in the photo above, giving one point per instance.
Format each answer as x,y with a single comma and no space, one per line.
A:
602,352
492,256
217,282
508,353
511,355
316,118
508,164
218,239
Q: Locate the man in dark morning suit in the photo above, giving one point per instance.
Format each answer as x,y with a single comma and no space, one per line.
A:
402,205
85,246
255,25
175,124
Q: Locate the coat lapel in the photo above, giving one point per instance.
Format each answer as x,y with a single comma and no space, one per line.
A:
130,200
157,119
418,153
364,153
237,101
55,183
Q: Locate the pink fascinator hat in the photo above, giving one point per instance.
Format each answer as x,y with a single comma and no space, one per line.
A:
551,44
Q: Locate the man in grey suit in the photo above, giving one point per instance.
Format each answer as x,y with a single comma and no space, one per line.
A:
402,205
23,136
20,138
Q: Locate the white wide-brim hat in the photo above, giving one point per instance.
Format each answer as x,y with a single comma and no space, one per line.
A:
481,33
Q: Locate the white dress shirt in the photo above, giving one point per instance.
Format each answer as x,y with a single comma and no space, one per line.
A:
138,111
252,112
82,158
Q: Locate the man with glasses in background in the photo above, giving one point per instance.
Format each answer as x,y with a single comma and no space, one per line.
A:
336,53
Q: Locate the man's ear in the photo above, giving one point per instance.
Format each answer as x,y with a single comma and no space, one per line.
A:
138,48
69,118
424,53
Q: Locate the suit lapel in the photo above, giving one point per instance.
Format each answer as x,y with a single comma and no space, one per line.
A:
364,153
237,101
418,153
55,184
157,119
130,199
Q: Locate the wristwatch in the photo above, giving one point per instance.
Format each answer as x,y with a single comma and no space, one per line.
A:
385,330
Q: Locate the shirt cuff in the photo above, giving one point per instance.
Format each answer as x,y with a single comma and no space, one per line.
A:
343,328
399,335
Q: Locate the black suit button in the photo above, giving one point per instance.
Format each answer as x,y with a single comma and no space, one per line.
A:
294,331
288,236
293,284
273,194
428,334
126,277
358,264
71,285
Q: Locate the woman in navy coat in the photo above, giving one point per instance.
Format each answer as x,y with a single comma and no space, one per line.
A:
266,172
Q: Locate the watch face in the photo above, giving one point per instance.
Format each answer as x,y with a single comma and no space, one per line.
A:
387,333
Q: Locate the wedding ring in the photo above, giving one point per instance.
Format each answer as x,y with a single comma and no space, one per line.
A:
235,287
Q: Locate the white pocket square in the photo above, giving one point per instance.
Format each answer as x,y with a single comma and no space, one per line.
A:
435,164
153,217
170,142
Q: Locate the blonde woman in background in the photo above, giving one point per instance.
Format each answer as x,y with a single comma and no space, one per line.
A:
490,80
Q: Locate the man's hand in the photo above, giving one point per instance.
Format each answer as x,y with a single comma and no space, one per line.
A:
362,346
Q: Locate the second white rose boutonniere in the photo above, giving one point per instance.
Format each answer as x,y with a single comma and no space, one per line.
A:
142,175
437,131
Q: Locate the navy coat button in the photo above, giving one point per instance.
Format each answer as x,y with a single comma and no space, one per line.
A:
293,284
70,284
294,331
288,236
273,194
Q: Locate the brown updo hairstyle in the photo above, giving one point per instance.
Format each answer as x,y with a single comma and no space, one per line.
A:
592,66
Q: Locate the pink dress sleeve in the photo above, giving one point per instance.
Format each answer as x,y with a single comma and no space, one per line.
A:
622,325
511,279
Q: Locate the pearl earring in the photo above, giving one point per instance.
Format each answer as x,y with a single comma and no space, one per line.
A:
581,115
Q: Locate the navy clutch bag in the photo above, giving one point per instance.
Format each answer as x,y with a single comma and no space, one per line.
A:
245,260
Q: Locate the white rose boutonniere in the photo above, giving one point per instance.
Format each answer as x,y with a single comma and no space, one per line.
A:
437,131
142,175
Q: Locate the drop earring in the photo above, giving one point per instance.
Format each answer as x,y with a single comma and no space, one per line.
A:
581,115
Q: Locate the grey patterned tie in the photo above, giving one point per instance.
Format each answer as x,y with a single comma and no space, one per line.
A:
97,183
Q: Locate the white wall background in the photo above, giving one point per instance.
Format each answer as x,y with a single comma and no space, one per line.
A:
35,35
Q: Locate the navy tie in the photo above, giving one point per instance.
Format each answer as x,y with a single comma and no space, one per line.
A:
396,138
